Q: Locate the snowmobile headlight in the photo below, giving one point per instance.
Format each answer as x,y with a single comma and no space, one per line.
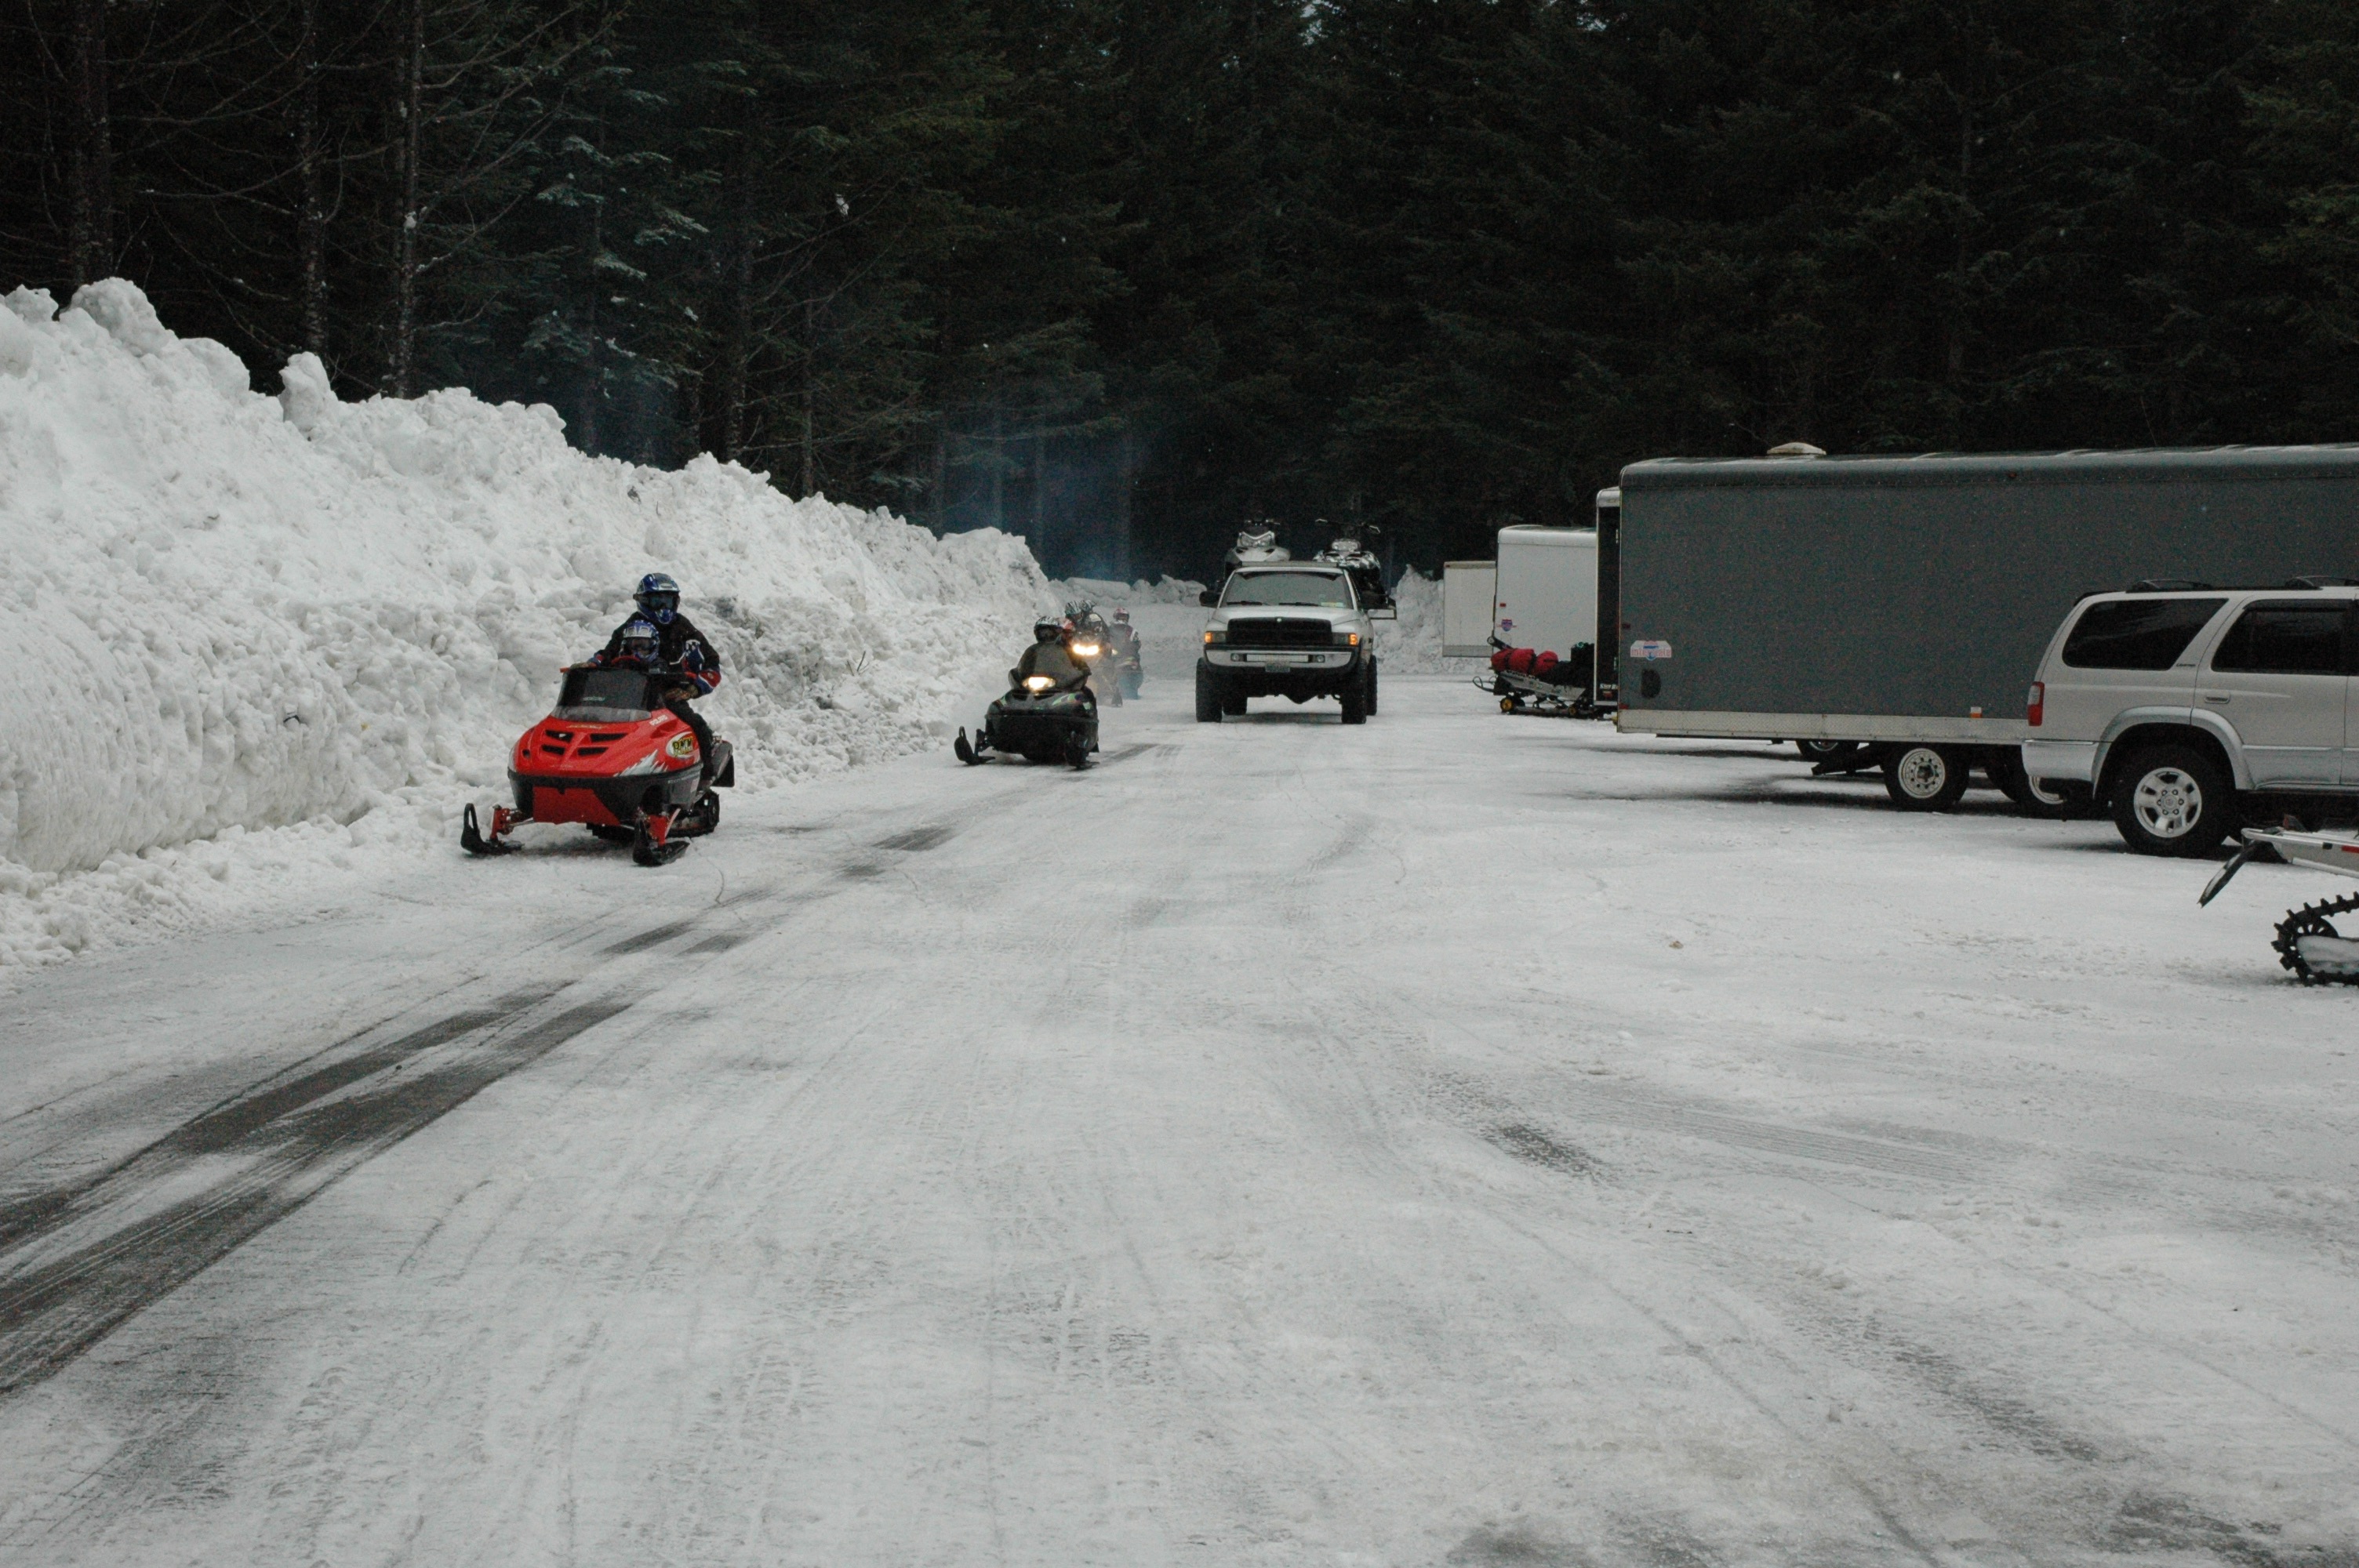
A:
1038,684
1087,649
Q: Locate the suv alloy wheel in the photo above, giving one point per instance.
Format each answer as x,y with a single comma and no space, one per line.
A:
2172,800
1924,778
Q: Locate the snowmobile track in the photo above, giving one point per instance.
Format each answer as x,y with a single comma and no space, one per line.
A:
288,1144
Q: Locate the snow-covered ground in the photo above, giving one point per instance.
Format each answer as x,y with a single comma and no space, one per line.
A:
1464,1139
280,638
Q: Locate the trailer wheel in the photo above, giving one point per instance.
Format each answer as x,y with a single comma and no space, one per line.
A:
1509,705
2173,800
1209,702
1924,778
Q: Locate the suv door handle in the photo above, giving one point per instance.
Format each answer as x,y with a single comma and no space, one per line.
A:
2210,699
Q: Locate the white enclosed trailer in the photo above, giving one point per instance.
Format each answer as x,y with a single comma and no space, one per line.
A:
1545,594
1468,590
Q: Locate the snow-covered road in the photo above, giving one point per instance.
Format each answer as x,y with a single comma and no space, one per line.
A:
1462,1140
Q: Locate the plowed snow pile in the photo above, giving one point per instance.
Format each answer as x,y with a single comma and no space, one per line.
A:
233,614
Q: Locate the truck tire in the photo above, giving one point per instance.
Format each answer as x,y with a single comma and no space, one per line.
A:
1372,685
1924,778
1355,699
2173,800
1209,699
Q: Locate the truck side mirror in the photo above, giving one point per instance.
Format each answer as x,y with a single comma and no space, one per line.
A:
1209,598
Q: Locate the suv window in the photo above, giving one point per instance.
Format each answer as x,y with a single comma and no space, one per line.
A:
2138,634
2284,640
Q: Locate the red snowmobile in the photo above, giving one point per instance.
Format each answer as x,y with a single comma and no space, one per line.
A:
614,759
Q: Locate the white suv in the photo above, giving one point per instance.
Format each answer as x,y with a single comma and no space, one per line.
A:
2167,702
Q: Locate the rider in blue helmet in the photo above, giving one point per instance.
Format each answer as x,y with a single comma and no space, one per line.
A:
679,646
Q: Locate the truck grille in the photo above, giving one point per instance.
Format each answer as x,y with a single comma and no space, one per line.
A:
1280,631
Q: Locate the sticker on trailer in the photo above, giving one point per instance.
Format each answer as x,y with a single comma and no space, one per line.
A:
1647,649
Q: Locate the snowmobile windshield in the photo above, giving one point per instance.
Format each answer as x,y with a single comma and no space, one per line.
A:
600,696
1322,590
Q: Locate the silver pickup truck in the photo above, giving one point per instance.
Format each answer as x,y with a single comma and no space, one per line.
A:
1292,628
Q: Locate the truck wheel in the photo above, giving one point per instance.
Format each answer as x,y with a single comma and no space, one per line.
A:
1924,778
1211,701
1372,685
2172,800
1355,700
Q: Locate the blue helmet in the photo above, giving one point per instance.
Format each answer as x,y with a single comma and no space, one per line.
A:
640,640
659,595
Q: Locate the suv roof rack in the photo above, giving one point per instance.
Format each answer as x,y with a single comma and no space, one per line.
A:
2167,585
2322,582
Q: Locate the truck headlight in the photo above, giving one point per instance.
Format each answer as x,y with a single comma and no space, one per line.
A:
1347,638
1215,634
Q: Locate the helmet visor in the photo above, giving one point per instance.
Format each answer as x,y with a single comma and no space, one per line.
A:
662,603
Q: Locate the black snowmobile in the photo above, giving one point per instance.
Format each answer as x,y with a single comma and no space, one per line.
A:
1039,720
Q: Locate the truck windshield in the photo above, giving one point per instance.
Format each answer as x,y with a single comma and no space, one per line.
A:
2138,634
1322,590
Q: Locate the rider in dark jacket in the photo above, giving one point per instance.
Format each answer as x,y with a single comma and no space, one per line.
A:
679,645
1048,657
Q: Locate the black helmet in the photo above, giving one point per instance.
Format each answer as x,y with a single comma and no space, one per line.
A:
659,595
1048,630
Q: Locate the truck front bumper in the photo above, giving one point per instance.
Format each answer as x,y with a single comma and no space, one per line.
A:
1291,661
2067,762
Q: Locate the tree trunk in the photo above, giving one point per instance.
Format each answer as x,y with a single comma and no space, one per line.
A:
811,351
311,221
91,235
939,503
411,90
1126,479
998,461
737,323
1040,490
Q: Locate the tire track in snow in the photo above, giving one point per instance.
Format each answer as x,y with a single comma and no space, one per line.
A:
287,1146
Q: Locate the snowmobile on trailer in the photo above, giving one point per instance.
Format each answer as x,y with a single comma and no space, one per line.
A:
1367,573
1254,547
613,758
1041,720
1529,680
2307,942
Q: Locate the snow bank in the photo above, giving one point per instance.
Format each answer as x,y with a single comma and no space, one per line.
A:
1109,595
1412,644
249,613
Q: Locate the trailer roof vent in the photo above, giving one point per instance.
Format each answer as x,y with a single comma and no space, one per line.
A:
1798,449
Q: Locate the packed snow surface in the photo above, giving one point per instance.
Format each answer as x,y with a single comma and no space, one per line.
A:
276,633
1461,1139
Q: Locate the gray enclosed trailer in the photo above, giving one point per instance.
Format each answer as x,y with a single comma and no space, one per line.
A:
1909,599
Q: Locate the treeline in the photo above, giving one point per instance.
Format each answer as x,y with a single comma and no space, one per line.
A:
1118,274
